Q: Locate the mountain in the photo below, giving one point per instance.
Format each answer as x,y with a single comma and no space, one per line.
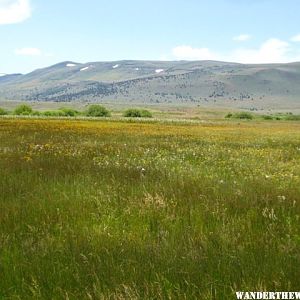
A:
209,83
5,78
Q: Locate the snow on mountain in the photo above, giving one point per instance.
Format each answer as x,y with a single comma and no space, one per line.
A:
159,71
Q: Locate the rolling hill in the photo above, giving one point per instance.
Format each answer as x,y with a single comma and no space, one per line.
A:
210,83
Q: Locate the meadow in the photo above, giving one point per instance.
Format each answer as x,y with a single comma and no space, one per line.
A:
148,210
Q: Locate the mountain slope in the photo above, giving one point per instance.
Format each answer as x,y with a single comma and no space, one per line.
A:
199,82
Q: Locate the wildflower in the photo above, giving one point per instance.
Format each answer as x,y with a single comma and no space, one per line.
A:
269,213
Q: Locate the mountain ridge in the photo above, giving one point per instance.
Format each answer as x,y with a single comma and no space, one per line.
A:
192,82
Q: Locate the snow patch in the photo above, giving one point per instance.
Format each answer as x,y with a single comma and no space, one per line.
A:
2,74
137,69
159,71
84,69
70,65
115,66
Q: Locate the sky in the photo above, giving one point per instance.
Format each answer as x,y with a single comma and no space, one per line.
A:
39,33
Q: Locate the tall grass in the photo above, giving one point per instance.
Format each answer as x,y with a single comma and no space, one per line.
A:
115,210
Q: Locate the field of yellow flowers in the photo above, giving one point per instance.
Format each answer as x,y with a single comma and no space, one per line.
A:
157,210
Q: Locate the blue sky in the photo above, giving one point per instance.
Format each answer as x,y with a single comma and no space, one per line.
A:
38,33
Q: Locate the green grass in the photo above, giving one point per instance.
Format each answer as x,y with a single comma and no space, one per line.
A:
117,210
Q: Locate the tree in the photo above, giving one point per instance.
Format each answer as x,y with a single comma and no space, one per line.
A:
23,110
137,113
3,112
98,111
132,113
69,112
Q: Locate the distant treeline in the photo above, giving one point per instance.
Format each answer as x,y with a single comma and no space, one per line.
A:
92,111
248,116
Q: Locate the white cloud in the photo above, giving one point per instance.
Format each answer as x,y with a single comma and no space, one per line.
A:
14,11
242,38
296,38
271,51
190,53
28,52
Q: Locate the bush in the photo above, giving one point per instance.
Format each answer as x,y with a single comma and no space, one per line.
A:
69,112
292,117
267,117
244,116
146,114
3,112
36,113
229,115
136,113
97,111
132,113
54,113
23,110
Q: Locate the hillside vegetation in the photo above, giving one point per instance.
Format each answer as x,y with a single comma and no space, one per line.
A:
209,83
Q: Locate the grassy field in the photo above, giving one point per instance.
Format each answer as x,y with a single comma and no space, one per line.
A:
133,210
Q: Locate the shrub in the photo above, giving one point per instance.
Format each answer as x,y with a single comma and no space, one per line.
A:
146,113
54,113
36,113
3,112
267,117
69,112
23,110
137,113
243,115
97,111
132,113
229,115
291,117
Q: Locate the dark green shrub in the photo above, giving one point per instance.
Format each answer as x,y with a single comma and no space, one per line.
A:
267,117
291,117
96,110
69,112
243,116
146,113
36,113
3,112
54,113
229,115
23,110
132,113
137,113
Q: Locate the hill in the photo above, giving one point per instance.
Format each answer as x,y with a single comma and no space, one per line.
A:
209,83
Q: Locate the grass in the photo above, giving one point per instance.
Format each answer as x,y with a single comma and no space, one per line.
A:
133,210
